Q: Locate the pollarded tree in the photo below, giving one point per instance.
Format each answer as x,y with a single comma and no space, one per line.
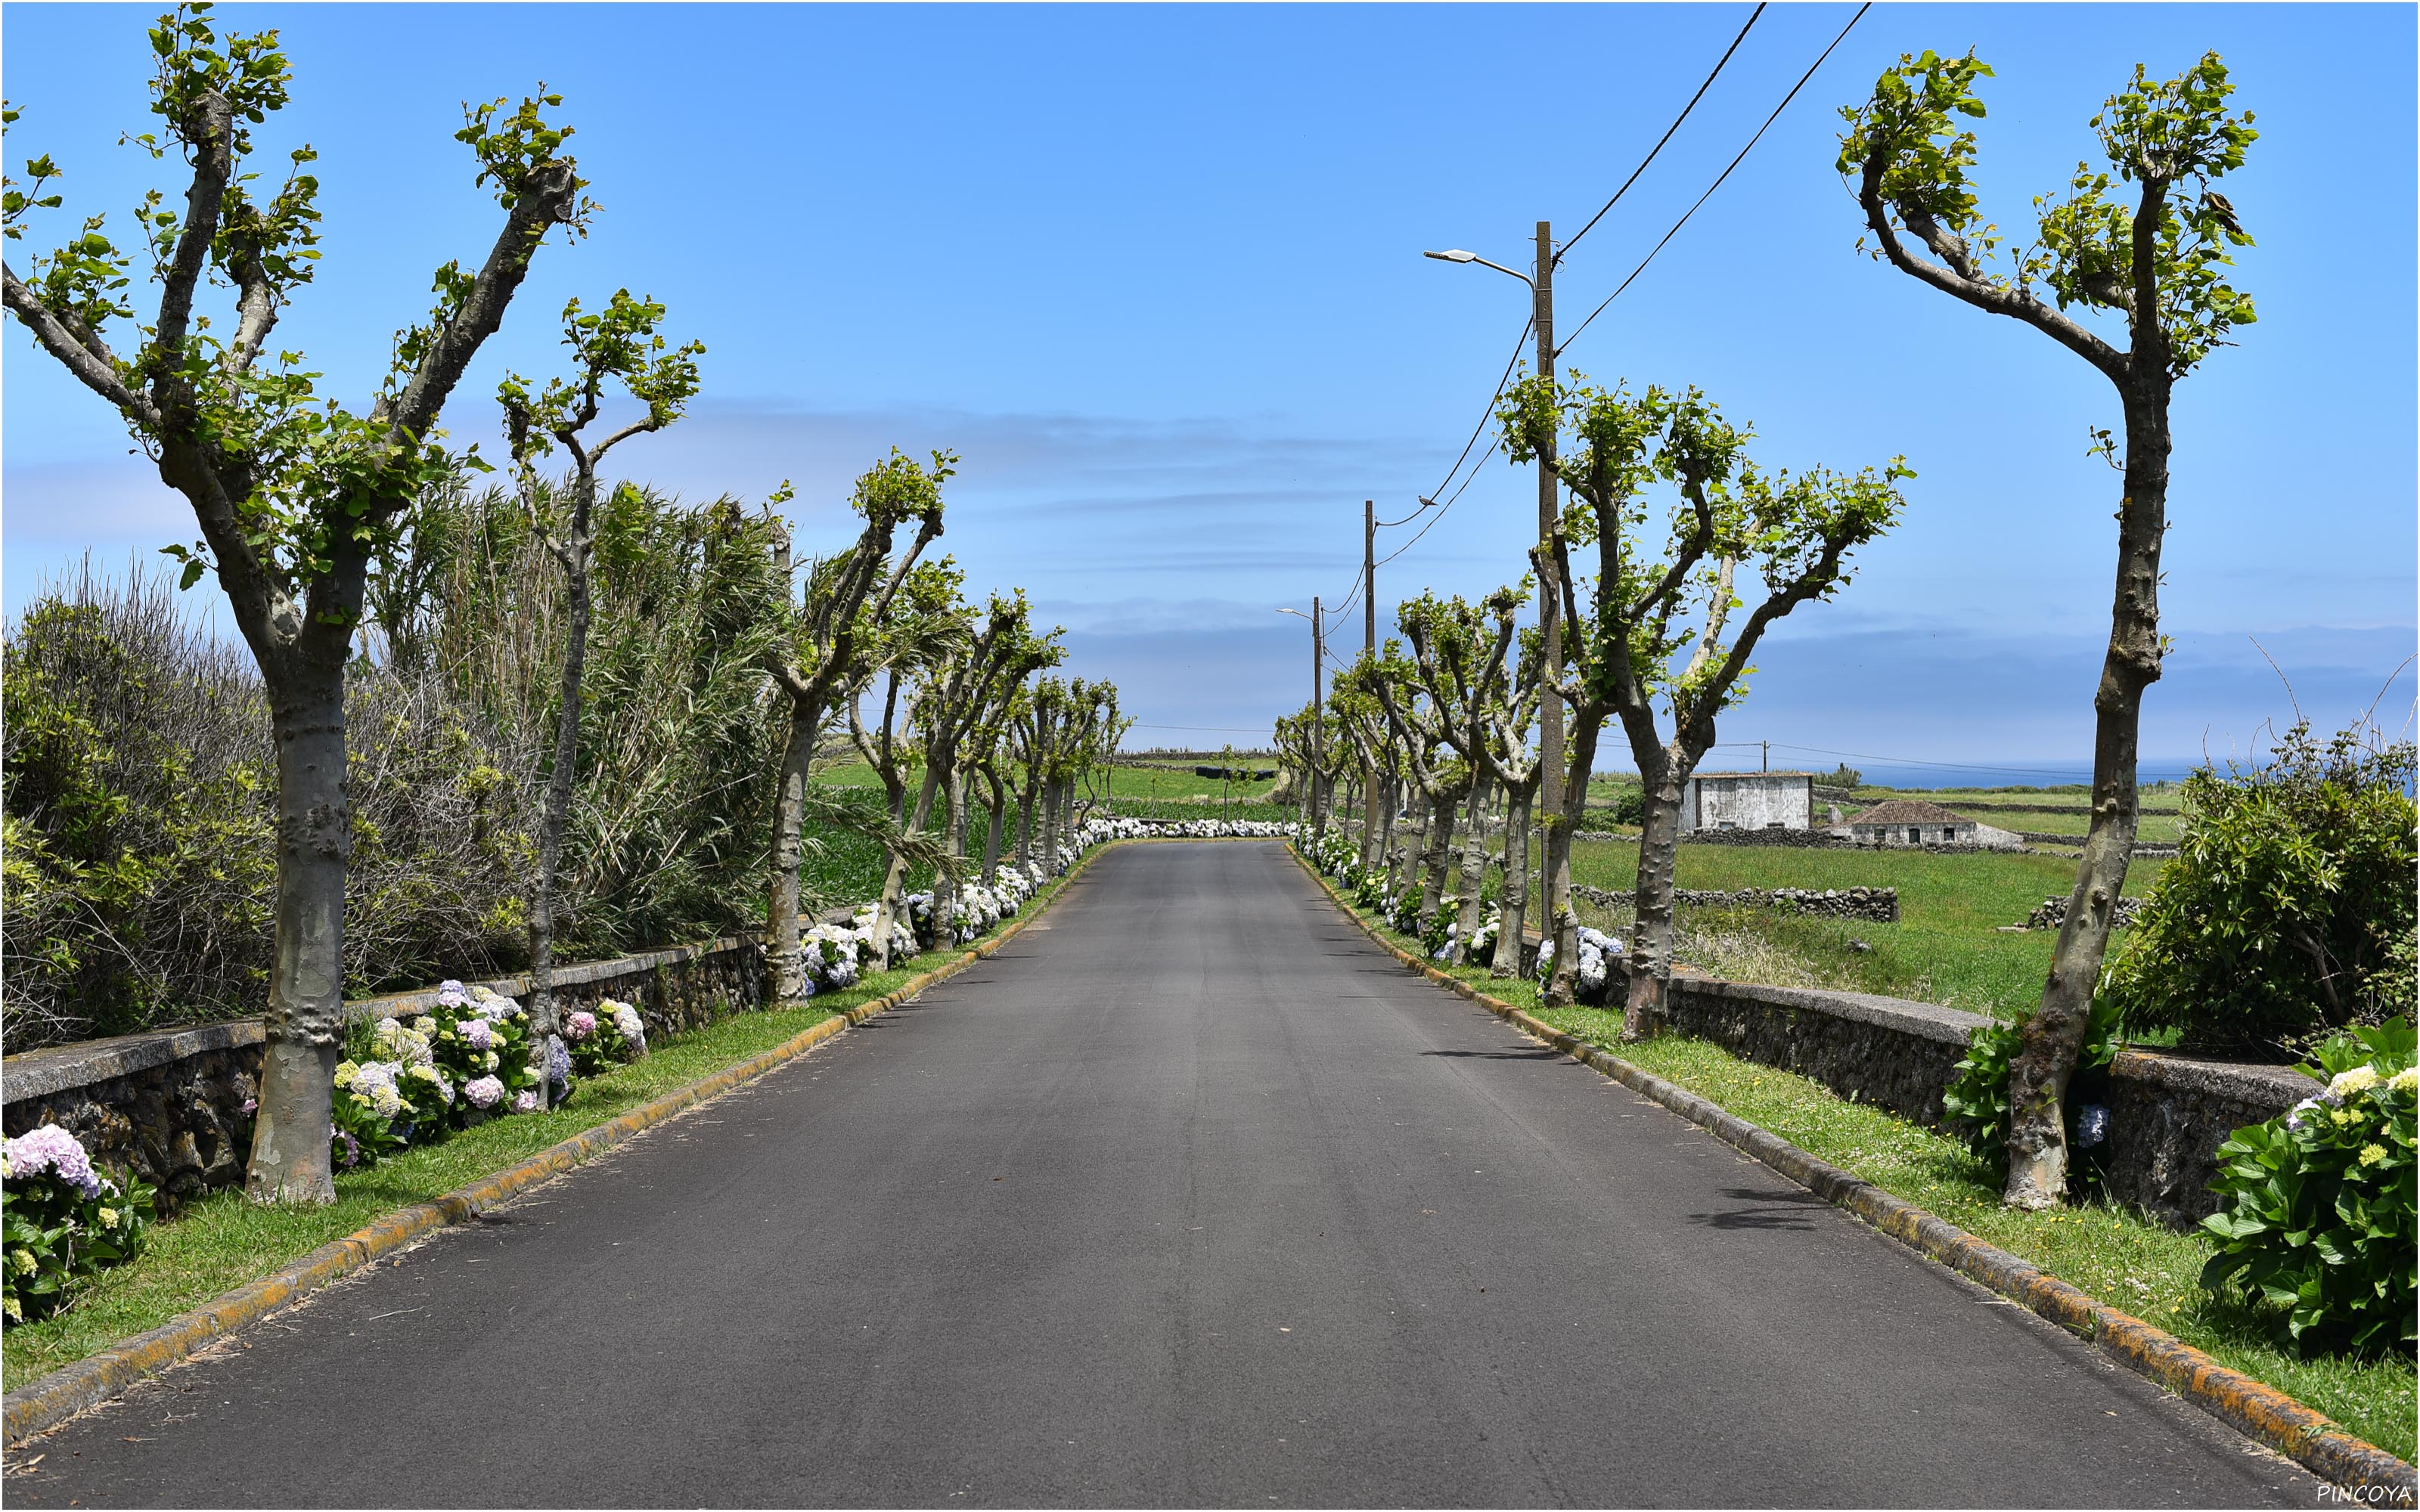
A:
1627,634
1442,782
952,702
983,752
1459,655
1500,703
618,344
924,634
294,495
1036,728
1361,722
847,598
2158,264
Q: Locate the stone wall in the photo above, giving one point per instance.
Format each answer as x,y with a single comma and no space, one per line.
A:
169,1104
2052,913
1878,904
1810,838
2167,1114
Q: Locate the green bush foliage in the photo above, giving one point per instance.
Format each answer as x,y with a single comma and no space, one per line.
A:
138,786
2319,1215
61,1223
1976,1098
2288,911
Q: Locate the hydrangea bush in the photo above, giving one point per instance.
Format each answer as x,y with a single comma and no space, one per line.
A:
599,1039
2318,1215
1592,980
61,1221
466,1060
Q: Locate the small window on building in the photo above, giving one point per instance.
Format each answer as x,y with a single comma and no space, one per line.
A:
1914,836
1949,832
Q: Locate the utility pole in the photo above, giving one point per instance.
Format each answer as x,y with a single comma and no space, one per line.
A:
1369,815
1318,809
1369,576
1556,871
1766,765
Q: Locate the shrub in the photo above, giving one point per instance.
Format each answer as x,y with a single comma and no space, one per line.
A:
139,786
1976,1098
2318,1215
61,1221
2288,911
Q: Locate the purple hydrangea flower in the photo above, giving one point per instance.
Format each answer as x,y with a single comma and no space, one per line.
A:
451,994
52,1149
479,1034
558,1062
525,1102
484,1093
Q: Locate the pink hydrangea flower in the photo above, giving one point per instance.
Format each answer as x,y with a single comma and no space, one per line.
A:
580,1025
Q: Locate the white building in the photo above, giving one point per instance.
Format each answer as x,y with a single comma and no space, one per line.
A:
1749,800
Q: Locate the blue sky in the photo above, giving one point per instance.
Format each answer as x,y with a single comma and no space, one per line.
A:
1154,273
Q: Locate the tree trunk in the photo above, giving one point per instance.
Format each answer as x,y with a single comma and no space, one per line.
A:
1649,965
1438,858
1387,804
997,805
1474,864
1562,921
2052,1039
306,982
1370,821
544,1026
784,981
1025,823
1404,869
1512,914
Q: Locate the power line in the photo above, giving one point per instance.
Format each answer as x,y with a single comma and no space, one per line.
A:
1429,500
1434,518
1666,137
1725,174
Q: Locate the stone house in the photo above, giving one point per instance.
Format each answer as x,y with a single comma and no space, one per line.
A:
1749,800
1913,821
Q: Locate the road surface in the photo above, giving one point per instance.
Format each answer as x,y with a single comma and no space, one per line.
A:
1188,1196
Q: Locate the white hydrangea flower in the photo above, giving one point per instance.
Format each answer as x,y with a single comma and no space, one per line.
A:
2359,1079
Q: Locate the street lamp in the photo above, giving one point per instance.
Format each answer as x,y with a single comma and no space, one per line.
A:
1456,255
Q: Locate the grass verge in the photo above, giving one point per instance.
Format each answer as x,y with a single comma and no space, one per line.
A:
2129,1262
222,1241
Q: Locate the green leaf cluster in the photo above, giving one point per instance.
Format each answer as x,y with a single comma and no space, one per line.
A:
53,1239
2289,908
1976,1101
2319,1207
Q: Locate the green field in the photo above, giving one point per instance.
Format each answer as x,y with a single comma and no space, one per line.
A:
843,868
2039,811
1946,947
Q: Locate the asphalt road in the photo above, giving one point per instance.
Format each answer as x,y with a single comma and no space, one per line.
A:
1189,1196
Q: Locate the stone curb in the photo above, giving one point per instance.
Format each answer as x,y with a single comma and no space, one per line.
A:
43,1404
2252,1408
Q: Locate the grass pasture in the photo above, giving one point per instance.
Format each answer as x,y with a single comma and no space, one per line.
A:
1946,947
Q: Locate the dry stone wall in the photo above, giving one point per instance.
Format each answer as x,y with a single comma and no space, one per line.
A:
1875,904
170,1105
2167,1114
